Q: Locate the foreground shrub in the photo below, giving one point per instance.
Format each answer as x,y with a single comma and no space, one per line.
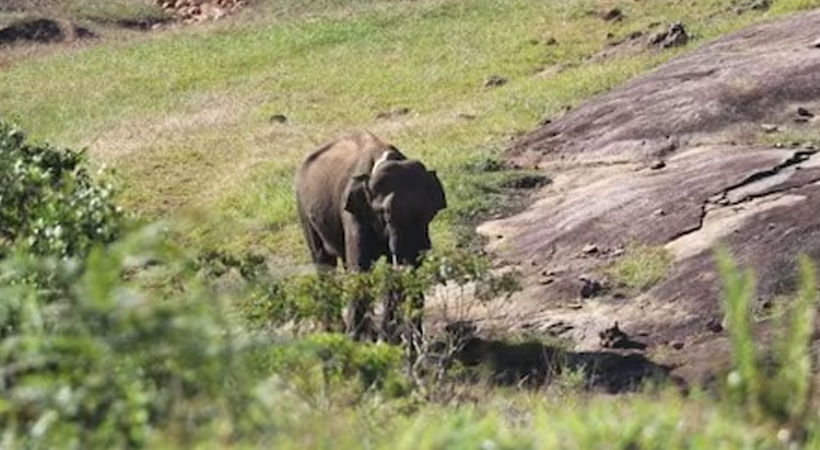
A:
321,298
97,362
776,384
49,204
387,305
321,367
93,356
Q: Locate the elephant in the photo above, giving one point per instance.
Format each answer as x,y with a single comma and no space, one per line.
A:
359,199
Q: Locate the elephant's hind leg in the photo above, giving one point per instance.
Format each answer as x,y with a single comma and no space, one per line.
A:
323,259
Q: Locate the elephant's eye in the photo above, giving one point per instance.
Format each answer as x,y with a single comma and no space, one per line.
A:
381,213
387,216
387,213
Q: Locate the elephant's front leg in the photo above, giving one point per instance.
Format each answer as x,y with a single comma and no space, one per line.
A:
359,257
391,317
414,327
358,322
362,244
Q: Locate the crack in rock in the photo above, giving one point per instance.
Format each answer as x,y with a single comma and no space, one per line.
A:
722,199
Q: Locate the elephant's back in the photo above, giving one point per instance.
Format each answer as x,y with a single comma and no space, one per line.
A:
326,167
322,178
338,159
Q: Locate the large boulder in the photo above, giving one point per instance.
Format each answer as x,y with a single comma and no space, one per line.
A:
684,157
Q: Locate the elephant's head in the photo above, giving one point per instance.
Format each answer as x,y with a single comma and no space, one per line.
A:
399,198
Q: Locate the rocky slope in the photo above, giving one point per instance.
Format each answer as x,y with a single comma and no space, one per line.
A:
678,159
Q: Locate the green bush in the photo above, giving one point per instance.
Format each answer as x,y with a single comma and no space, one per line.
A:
95,362
49,204
321,367
91,358
296,299
322,297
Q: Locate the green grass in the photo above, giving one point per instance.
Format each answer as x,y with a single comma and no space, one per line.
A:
641,267
785,6
183,115
114,10
512,419
788,137
84,12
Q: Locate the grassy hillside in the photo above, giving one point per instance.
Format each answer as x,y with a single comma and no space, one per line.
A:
132,345
184,115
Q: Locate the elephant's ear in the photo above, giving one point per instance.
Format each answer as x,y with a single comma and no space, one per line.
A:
437,192
357,195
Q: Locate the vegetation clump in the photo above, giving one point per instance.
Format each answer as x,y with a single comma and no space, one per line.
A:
92,357
641,267
93,361
775,384
49,203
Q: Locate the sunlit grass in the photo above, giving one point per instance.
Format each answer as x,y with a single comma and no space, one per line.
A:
641,267
114,10
511,419
183,115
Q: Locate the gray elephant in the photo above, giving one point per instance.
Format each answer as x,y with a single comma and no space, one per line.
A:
360,199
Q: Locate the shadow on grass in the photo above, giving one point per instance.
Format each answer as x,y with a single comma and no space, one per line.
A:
533,364
39,30
140,24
